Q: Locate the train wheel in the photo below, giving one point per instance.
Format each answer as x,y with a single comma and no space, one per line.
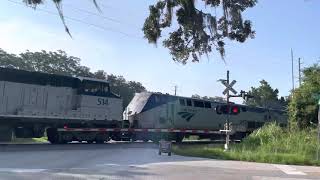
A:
133,138
101,137
179,138
145,139
156,139
99,141
65,137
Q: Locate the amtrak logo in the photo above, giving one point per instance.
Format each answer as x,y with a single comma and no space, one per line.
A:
186,115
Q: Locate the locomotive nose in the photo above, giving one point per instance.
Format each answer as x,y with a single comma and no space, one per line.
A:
133,119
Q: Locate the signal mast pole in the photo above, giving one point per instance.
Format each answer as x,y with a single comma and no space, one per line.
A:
228,126
243,94
175,90
228,101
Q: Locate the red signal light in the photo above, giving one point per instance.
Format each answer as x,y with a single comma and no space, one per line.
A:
235,110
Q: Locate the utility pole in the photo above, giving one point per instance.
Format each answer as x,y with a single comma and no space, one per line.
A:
292,71
318,128
175,90
299,61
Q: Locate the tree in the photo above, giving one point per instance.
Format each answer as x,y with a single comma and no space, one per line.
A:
216,98
197,32
60,63
100,74
126,89
49,62
196,96
265,96
303,105
12,61
55,63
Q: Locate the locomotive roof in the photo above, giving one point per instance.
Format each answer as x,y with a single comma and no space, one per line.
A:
40,78
252,108
92,79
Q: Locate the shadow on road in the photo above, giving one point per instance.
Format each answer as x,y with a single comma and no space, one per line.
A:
85,146
73,146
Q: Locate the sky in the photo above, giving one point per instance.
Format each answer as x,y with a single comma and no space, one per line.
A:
113,41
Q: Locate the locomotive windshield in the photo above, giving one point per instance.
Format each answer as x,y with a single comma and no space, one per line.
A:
95,88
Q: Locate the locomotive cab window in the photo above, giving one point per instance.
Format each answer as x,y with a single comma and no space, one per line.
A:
207,104
90,87
198,103
182,102
189,103
94,88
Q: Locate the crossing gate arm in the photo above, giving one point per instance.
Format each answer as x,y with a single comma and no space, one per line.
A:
199,131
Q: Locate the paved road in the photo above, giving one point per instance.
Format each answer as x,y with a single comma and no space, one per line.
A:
131,161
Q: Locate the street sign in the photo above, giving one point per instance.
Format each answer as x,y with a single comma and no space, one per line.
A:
229,87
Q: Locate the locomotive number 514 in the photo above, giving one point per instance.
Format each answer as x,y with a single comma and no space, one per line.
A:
102,102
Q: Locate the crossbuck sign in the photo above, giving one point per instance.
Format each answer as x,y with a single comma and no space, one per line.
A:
229,87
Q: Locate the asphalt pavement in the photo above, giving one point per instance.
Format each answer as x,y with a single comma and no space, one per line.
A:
131,161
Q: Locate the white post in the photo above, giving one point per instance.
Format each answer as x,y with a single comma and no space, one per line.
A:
226,146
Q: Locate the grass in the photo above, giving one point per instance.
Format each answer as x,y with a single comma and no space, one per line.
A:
30,140
270,144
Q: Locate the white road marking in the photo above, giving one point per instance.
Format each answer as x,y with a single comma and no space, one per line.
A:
108,164
18,170
88,176
289,170
275,178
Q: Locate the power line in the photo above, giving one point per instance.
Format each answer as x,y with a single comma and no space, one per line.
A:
128,12
81,21
100,15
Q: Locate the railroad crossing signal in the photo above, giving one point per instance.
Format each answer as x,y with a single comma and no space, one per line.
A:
234,109
228,109
228,86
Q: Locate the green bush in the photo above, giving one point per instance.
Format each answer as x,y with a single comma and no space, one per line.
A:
269,144
303,108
